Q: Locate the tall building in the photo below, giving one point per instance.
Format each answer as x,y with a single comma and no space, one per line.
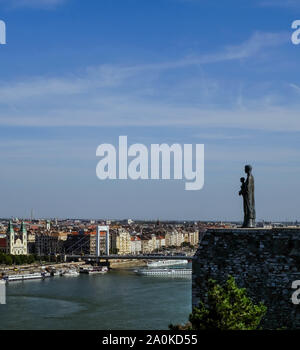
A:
102,234
123,242
47,244
16,243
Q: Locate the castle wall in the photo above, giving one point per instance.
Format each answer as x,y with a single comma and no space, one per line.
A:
265,261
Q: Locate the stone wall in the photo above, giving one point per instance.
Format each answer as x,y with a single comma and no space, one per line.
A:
265,261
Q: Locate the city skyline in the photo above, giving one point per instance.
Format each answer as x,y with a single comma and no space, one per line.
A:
74,76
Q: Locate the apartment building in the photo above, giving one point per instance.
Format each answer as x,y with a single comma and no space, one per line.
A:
123,242
136,245
47,244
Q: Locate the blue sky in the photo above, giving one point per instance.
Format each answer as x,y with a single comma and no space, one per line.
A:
75,74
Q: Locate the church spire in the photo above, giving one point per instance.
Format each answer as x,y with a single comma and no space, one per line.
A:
23,228
10,228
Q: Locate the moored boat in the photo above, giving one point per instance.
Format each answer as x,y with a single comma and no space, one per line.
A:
27,276
94,270
70,273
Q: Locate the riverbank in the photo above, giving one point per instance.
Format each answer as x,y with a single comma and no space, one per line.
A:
32,268
37,267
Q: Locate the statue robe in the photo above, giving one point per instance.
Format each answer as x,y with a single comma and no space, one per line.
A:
249,201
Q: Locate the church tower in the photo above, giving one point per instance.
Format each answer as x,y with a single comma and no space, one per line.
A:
10,238
23,233
16,244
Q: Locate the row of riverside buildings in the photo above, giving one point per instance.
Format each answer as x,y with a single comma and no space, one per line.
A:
77,238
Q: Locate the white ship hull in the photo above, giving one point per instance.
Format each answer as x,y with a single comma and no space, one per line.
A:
70,273
165,272
29,276
160,263
94,270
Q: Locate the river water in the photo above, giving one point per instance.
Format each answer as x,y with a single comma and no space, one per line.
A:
117,300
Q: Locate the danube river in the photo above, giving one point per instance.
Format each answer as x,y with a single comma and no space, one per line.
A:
117,300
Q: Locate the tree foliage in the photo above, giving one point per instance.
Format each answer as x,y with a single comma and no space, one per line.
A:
228,308
8,259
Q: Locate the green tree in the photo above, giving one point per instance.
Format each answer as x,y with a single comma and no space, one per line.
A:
228,308
8,260
23,259
17,259
30,259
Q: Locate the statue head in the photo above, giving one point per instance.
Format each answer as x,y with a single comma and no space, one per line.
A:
248,169
242,179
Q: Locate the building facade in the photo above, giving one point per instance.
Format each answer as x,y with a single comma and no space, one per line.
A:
123,242
16,243
47,244
136,245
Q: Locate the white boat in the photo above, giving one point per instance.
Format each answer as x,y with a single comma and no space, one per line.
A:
70,273
57,273
165,272
166,263
46,274
27,276
97,271
94,270
85,269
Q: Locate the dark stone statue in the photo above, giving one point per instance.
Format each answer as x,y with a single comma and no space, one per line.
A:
247,191
243,193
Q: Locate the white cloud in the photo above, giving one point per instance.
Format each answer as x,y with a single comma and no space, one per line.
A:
249,48
114,75
219,136
280,3
135,95
295,87
44,4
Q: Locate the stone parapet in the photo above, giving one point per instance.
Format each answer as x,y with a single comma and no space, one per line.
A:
264,261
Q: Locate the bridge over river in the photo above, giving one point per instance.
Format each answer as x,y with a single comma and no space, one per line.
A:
130,257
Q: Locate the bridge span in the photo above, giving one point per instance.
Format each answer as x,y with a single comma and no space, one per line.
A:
131,257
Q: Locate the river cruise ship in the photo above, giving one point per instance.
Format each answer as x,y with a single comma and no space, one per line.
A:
27,276
165,272
160,263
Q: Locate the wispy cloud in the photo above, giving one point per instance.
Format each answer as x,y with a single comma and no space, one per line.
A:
295,87
261,3
117,95
280,3
257,42
220,136
42,4
115,75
